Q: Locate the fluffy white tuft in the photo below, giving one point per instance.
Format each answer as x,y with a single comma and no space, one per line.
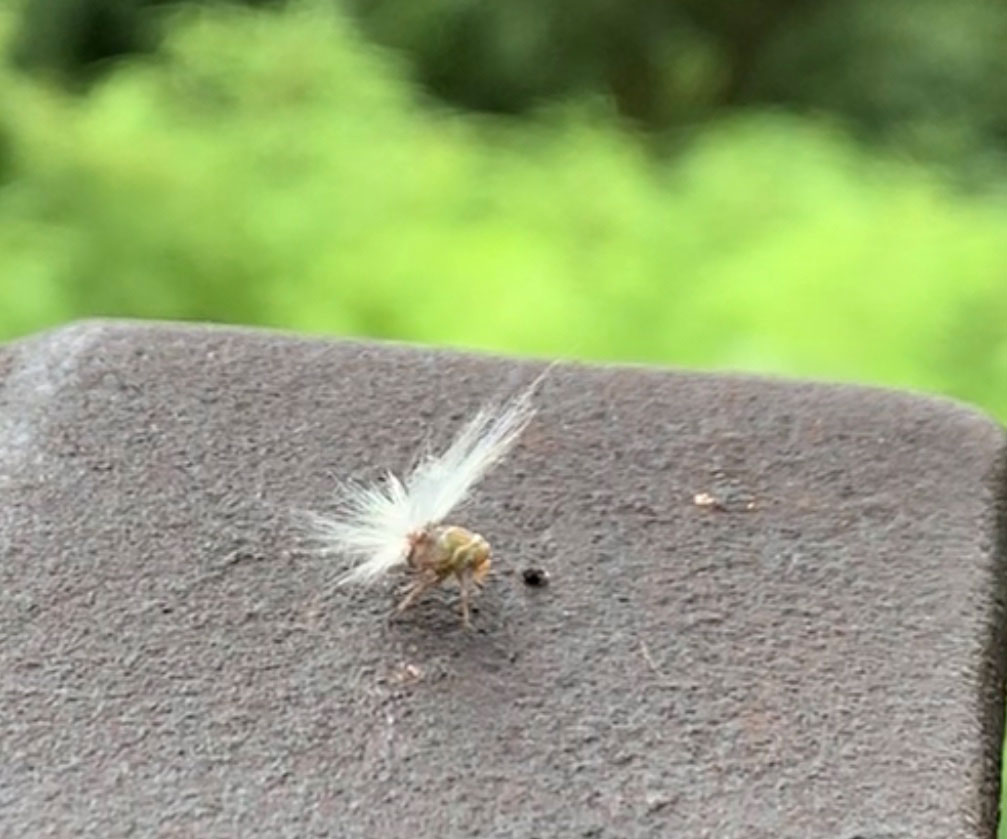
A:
374,523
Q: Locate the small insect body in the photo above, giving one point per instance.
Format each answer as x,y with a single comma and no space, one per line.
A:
401,521
438,553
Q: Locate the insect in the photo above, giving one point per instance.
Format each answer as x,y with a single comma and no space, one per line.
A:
401,521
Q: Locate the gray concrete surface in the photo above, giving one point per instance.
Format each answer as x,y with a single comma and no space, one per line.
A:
818,653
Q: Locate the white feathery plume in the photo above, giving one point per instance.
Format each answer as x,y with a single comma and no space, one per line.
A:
375,524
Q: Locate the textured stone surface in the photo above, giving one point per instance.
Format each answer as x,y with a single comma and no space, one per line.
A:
818,653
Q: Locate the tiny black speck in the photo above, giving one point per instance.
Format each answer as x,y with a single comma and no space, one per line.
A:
535,577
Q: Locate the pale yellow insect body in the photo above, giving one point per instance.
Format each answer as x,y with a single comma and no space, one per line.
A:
438,553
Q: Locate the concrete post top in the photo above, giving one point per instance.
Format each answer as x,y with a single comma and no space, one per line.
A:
773,609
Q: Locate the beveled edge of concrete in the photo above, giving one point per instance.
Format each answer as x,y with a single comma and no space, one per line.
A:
818,653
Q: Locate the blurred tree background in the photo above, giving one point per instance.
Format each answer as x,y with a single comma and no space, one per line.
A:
811,188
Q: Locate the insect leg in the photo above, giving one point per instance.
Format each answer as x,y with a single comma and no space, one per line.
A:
417,591
463,583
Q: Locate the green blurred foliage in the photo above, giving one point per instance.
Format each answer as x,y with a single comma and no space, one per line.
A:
928,75
69,38
273,168
649,57
925,76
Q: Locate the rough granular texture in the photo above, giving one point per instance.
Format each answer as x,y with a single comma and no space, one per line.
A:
773,609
